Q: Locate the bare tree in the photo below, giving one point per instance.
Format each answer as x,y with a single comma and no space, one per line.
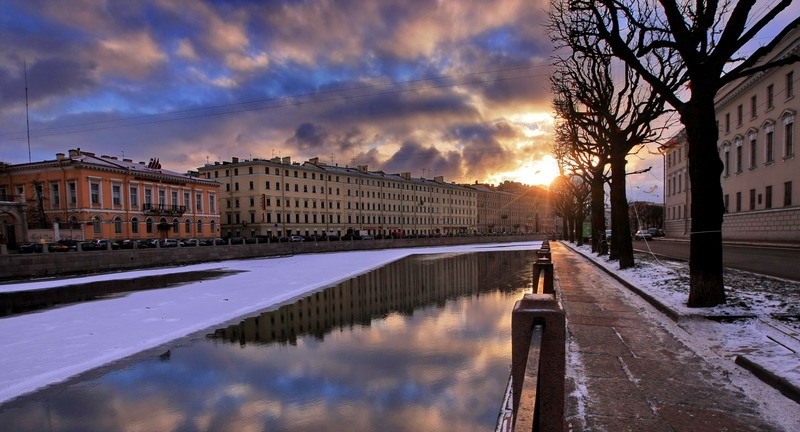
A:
620,107
582,150
685,51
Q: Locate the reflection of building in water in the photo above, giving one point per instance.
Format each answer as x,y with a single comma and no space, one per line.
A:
397,287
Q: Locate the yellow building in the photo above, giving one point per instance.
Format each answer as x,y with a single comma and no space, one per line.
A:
280,198
84,196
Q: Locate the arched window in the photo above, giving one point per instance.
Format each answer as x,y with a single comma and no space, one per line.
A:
73,222
117,225
134,225
148,225
213,227
199,227
97,225
176,224
188,226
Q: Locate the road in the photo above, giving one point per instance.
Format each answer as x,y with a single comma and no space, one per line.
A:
783,262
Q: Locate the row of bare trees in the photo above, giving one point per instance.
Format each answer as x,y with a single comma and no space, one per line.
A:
622,67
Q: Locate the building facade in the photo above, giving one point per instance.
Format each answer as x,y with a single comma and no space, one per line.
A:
520,210
83,196
278,197
758,147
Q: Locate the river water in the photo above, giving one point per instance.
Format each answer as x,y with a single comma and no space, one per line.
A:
421,344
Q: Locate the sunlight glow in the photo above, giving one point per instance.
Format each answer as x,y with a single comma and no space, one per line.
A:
539,173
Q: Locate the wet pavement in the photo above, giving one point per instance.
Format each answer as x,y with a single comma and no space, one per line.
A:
630,373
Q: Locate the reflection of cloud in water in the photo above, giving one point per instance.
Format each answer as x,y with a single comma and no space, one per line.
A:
399,365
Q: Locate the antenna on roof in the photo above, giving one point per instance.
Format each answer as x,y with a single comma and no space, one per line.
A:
27,120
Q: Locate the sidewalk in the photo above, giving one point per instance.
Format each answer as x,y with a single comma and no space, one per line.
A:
628,372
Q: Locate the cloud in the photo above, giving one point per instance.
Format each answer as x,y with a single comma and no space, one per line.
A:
310,138
132,55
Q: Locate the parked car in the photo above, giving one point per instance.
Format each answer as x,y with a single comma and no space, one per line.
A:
237,240
29,248
366,237
168,243
296,238
213,241
69,243
189,242
656,232
146,243
643,235
102,244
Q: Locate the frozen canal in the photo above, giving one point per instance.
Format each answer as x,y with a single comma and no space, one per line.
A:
420,344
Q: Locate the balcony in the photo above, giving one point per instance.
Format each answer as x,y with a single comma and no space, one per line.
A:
163,209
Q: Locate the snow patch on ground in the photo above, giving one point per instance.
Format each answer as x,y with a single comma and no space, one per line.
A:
759,321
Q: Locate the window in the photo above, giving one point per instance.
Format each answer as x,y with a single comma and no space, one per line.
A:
199,227
752,199
55,196
266,185
198,202
753,152
768,197
134,193
753,106
212,204
725,201
738,201
187,226
162,198
727,122
148,225
236,186
116,195
117,225
249,170
72,190
790,85
769,144
738,155
770,97
739,115
176,224
134,225
187,201
97,225
174,198
788,136
251,183
213,227
787,194
94,191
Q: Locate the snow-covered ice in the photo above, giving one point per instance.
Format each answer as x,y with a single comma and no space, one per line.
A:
49,346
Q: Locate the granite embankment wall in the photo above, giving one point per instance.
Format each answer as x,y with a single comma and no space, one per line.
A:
21,266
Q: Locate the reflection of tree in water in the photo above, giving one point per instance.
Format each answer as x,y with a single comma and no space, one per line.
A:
399,287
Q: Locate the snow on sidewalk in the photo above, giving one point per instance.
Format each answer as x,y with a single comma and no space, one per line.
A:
49,346
759,322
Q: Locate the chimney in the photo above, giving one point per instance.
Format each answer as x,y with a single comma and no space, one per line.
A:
276,159
439,179
314,161
73,153
234,160
405,175
141,163
362,168
287,160
128,160
59,156
113,158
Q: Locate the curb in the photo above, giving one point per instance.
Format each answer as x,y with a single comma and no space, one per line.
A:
666,310
778,383
768,377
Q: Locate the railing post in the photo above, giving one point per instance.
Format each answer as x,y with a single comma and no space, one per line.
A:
545,310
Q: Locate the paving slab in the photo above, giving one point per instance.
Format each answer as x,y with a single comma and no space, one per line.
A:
628,373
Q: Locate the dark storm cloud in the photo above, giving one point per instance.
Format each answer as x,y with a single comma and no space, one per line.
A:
414,157
310,138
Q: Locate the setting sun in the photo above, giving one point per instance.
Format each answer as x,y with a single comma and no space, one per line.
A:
540,173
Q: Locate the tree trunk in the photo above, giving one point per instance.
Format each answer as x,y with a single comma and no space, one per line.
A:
619,210
598,212
564,228
571,228
706,287
579,218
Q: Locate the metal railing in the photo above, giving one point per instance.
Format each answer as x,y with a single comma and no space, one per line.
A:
163,209
538,354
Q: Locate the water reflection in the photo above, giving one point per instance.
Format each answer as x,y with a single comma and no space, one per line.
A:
423,346
16,302
401,287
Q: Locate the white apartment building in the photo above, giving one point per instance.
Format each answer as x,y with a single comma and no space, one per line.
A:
758,147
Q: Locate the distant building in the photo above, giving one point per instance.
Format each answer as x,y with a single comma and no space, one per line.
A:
84,196
278,197
513,208
758,147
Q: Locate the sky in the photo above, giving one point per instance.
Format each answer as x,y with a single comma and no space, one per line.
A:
449,88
